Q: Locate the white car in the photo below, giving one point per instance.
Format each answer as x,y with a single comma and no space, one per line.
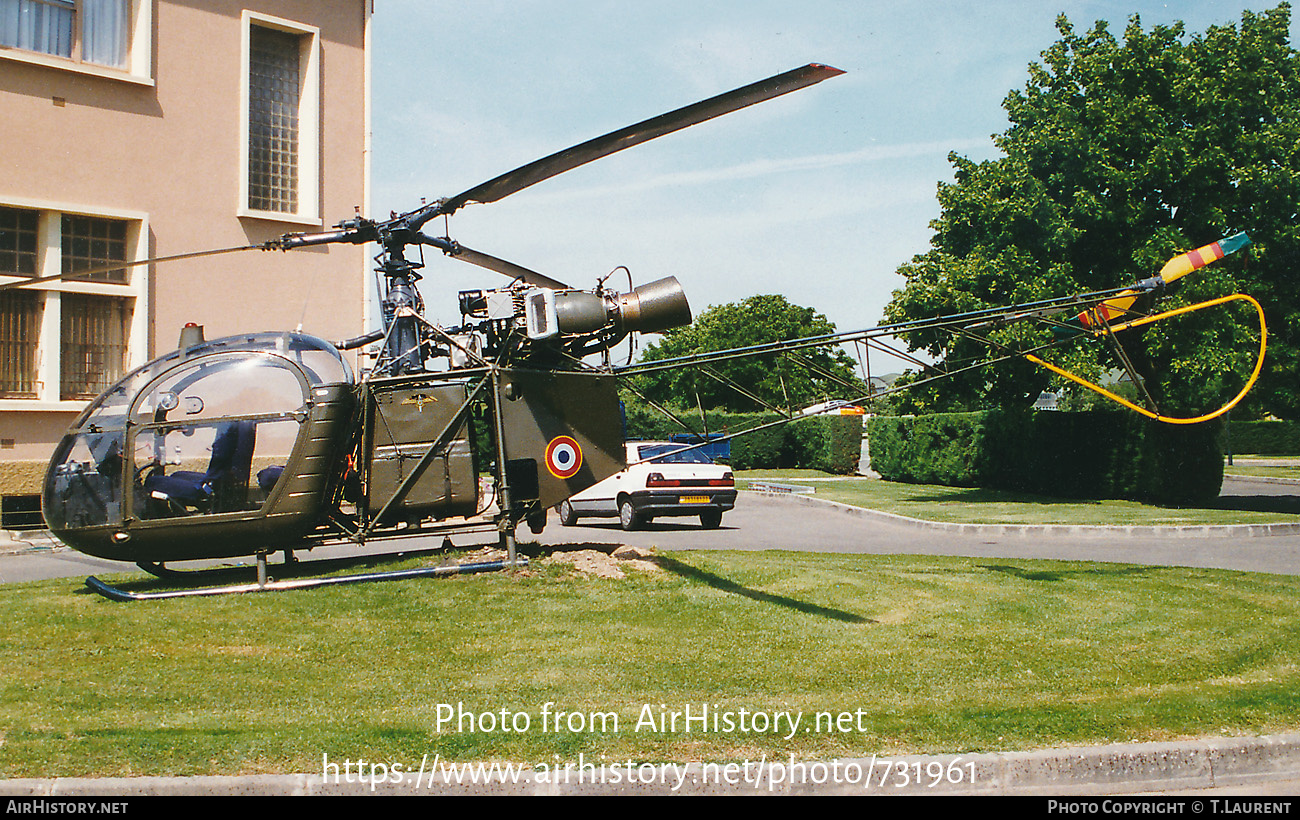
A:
834,407
658,482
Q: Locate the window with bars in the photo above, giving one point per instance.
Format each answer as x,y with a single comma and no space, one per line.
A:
94,332
20,311
20,322
274,102
70,338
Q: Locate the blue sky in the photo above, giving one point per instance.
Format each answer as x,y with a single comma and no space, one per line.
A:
819,195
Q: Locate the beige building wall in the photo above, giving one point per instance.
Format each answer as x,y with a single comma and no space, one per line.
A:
162,143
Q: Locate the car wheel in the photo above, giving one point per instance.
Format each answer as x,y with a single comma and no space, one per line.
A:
627,517
711,519
567,516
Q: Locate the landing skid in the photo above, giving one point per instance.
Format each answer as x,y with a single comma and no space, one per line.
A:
264,585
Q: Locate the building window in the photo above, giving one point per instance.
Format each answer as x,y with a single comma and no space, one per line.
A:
94,331
20,311
71,337
20,322
18,241
274,94
98,32
281,120
90,243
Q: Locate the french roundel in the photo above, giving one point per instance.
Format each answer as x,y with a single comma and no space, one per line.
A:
563,457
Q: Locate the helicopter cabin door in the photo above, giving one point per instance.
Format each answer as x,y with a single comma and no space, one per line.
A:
212,437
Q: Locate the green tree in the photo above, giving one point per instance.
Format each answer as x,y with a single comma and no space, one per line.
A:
781,380
1118,157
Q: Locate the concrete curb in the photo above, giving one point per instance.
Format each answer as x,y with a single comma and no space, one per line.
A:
1198,531
28,540
1127,768
1263,479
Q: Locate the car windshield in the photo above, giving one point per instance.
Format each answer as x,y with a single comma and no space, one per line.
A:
663,454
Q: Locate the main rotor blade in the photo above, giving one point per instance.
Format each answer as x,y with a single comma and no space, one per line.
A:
510,269
114,266
615,141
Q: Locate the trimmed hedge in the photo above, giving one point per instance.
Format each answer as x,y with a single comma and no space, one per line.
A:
832,444
828,443
1093,454
1265,438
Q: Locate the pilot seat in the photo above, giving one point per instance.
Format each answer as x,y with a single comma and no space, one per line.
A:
223,487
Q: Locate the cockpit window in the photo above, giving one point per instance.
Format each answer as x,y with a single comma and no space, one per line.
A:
85,489
109,413
230,465
319,361
213,435
234,384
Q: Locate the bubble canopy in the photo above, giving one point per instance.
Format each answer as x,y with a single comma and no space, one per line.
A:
206,432
319,361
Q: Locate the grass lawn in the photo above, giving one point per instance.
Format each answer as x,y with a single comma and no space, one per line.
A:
926,654
984,506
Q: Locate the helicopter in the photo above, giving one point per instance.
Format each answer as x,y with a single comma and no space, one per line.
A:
261,442
268,441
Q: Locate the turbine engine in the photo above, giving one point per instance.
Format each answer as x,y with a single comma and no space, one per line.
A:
526,319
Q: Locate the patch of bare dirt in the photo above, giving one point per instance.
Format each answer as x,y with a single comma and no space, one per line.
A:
593,562
605,564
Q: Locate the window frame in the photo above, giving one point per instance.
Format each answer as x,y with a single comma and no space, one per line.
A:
49,262
139,50
21,353
309,118
90,312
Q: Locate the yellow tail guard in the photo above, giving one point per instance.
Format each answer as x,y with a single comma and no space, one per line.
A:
1254,376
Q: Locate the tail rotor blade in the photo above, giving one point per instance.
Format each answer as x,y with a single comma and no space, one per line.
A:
1184,264
1118,307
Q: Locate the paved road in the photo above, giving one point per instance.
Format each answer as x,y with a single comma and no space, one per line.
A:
826,530
800,525
775,522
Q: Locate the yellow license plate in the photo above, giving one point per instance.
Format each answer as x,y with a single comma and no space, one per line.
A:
694,499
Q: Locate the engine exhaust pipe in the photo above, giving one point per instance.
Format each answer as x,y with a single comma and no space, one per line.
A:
654,306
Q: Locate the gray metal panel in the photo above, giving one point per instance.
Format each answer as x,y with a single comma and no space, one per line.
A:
404,422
